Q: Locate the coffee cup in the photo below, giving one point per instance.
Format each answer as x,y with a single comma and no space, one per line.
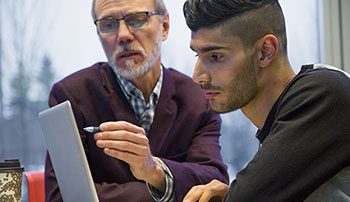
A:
11,174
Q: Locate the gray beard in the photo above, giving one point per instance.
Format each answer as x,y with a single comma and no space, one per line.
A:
130,71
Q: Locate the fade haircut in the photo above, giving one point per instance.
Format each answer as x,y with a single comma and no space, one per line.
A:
160,7
249,20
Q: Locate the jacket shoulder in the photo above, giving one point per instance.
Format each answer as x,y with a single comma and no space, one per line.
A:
80,77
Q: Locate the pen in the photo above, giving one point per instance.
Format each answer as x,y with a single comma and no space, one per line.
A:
92,129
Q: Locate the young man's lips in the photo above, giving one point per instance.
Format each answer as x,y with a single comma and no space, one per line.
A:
210,95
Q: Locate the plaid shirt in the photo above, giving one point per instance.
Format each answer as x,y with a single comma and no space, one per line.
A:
144,111
145,114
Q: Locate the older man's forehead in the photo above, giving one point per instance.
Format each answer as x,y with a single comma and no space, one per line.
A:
122,7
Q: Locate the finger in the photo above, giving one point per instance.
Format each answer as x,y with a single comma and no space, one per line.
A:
194,194
122,135
206,196
189,193
123,146
214,191
121,125
127,157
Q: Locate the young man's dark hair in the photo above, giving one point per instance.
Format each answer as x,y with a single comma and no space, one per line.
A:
249,20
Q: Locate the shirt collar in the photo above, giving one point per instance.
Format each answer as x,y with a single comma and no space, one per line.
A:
132,91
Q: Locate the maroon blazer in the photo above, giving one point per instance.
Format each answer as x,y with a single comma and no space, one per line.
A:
184,134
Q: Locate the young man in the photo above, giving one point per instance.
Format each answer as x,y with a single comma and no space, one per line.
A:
303,119
150,132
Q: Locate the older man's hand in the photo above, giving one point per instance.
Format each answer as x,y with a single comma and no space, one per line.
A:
128,142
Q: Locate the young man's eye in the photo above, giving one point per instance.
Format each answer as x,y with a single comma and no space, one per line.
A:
216,57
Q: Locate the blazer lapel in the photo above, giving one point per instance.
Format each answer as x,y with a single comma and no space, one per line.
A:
165,114
116,99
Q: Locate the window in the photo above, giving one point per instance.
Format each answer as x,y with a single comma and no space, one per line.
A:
335,29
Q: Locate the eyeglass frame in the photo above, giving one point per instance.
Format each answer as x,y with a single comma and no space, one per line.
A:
148,13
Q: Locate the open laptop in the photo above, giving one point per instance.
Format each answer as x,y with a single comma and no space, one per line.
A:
67,154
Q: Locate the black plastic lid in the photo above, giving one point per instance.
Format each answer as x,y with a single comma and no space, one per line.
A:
11,165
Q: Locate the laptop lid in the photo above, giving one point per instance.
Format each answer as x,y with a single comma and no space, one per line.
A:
67,154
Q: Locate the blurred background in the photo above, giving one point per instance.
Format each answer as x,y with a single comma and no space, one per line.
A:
42,41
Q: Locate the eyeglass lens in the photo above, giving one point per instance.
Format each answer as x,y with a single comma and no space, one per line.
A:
136,20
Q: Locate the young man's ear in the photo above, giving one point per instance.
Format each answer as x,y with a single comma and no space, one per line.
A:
267,48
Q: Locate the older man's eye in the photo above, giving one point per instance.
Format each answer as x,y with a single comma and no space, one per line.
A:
107,25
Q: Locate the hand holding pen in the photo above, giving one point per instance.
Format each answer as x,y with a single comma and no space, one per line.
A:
129,143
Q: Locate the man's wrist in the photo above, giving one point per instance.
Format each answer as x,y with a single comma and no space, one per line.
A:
157,179
169,194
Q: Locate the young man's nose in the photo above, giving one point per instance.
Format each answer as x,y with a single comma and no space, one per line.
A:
200,75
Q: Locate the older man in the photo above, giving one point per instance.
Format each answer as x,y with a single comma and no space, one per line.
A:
156,127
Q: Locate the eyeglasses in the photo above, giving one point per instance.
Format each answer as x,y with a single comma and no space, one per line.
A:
133,20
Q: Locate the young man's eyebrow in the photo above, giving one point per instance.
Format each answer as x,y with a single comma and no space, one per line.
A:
208,48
